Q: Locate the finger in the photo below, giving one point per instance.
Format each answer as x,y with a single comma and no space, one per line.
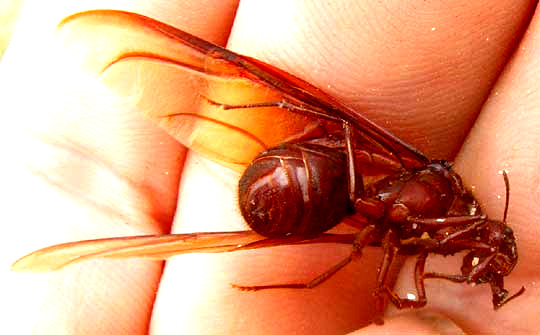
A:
84,164
368,75
506,137
199,286
420,69
414,323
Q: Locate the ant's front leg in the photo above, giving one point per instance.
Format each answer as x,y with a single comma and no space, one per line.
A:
500,295
455,241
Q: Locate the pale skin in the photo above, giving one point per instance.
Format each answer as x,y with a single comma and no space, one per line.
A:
85,165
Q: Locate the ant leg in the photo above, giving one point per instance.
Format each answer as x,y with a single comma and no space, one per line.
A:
496,281
279,104
500,295
430,224
362,239
456,240
421,300
452,278
389,244
311,111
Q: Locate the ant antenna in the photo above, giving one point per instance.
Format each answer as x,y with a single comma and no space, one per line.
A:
507,184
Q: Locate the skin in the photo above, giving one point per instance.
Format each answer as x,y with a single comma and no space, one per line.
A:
85,165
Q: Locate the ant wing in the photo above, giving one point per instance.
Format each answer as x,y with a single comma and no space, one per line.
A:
151,246
157,247
183,83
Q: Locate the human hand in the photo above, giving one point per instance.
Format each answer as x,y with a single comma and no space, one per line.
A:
432,85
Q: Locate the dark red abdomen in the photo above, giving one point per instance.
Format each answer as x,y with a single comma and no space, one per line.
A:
295,189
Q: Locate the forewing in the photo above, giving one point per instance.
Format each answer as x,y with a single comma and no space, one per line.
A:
157,247
171,75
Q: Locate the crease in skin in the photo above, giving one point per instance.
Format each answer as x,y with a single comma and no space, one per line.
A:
96,173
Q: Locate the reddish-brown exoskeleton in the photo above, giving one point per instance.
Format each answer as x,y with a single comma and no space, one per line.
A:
321,163
492,254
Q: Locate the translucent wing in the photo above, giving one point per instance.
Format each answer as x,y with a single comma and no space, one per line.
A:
182,82
173,77
157,247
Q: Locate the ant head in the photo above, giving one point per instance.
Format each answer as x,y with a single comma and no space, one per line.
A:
496,259
499,254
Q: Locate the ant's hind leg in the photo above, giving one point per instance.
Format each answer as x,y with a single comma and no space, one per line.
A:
362,239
